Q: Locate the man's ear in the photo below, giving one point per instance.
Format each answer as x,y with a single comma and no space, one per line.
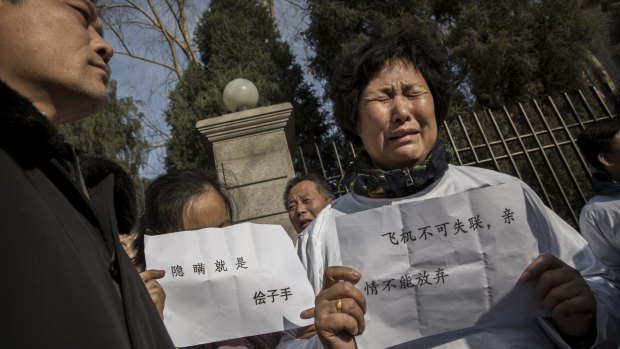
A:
604,159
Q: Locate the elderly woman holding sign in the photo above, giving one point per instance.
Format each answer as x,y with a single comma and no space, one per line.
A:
391,94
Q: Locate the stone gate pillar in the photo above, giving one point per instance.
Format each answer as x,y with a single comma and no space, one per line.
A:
252,152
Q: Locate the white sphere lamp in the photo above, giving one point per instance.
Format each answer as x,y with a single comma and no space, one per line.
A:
240,94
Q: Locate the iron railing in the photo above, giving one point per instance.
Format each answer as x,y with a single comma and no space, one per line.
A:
534,141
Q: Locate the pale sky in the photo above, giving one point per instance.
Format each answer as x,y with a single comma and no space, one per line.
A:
151,84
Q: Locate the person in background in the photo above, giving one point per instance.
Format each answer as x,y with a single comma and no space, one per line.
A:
600,217
67,281
391,94
304,197
193,199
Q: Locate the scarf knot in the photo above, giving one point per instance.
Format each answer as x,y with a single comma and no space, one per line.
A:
362,179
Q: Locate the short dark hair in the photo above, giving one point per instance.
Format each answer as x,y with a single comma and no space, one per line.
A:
598,138
418,46
321,184
96,168
165,201
167,196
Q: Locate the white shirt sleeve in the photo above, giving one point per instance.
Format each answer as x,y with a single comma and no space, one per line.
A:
600,226
565,243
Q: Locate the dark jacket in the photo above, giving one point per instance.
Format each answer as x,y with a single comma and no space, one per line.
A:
66,282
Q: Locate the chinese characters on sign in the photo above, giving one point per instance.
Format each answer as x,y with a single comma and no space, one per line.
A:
463,251
177,271
217,278
219,266
260,297
406,281
458,227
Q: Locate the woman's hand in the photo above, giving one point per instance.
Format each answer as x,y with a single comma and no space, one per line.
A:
155,290
564,292
339,308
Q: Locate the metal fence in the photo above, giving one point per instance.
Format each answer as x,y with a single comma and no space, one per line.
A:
534,141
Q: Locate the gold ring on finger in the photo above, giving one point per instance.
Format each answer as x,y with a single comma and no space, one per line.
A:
338,305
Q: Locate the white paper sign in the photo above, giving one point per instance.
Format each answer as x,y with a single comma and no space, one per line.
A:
224,283
442,264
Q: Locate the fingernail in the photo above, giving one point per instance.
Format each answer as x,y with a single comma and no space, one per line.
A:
356,274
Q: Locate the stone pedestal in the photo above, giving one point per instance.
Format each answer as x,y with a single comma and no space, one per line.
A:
252,155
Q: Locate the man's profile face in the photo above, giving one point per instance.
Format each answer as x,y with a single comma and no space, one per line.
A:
54,55
304,204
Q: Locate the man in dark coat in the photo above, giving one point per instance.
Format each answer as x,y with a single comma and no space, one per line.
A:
66,281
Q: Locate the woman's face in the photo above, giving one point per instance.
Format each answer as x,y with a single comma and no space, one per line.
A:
206,211
396,117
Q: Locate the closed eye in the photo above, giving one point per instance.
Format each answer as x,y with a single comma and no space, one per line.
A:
413,90
412,95
380,99
84,13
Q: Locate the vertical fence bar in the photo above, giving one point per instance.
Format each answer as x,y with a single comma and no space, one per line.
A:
337,158
610,89
529,159
600,101
486,142
542,151
584,101
573,110
562,157
570,137
352,150
456,149
504,143
471,145
340,168
318,154
303,159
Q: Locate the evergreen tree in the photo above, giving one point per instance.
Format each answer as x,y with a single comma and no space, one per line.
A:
506,51
500,51
189,101
114,132
237,39
337,24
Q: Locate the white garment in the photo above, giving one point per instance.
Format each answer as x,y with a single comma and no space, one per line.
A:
600,226
318,248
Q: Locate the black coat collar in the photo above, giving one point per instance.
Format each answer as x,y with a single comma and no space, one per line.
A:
26,134
31,139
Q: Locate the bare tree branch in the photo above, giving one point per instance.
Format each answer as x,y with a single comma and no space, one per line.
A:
167,21
159,33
